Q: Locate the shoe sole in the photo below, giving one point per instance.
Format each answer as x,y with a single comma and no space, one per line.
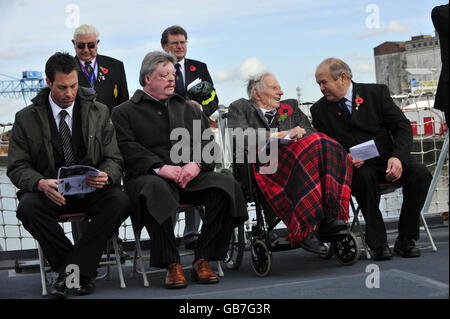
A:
401,254
194,278
318,252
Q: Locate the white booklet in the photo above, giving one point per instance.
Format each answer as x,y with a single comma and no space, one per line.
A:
72,179
286,140
364,151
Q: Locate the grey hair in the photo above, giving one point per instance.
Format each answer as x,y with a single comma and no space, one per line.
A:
86,29
337,67
256,82
151,60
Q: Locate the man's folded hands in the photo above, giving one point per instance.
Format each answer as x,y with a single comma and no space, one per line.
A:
180,175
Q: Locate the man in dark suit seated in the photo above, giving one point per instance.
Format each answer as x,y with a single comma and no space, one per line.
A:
158,178
309,188
174,40
353,113
65,126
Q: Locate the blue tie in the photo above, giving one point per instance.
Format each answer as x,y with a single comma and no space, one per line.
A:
343,106
179,82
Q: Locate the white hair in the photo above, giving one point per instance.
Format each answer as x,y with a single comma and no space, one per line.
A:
86,29
256,82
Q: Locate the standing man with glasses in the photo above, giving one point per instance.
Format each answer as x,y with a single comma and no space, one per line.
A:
102,74
174,40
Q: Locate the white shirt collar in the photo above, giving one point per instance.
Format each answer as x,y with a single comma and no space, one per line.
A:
56,109
349,94
92,62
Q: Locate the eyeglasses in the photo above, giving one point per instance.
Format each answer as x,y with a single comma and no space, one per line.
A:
90,45
177,42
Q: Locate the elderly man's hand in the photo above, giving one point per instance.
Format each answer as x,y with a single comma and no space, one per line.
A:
298,132
394,169
188,173
171,172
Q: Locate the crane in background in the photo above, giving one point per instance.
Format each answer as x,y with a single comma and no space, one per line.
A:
26,87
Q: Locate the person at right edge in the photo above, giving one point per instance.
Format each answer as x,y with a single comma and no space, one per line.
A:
353,113
440,17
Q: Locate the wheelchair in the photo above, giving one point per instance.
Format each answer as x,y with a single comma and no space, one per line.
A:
262,236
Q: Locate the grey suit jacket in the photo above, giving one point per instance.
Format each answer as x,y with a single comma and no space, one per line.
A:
246,114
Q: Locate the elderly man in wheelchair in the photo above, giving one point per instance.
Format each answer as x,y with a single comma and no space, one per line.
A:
309,188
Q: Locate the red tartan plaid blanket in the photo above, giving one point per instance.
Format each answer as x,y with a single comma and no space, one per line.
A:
313,180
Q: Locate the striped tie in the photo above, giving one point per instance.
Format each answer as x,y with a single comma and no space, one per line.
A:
66,139
271,118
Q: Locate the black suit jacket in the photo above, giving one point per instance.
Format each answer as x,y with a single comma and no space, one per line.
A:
111,83
440,17
376,118
194,69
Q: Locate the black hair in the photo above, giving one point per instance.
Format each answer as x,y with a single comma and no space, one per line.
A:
60,62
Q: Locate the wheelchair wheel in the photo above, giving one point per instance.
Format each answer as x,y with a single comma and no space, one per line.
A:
346,249
236,248
261,258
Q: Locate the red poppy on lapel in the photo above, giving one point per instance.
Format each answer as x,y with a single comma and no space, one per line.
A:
104,70
358,101
192,68
284,111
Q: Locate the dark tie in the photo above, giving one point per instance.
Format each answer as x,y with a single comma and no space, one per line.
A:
343,106
66,139
271,118
179,82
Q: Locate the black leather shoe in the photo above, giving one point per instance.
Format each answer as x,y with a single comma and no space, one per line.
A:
382,253
87,286
313,244
406,247
330,226
59,288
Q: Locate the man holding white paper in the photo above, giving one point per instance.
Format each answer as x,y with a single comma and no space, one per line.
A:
62,127
353,113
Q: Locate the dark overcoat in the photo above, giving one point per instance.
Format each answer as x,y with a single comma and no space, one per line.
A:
144,126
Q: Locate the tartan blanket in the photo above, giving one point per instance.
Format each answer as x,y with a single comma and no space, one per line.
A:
313,180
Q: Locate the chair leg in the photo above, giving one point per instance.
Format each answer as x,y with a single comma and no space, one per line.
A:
119,265
219,269
360,230
42,270
138,258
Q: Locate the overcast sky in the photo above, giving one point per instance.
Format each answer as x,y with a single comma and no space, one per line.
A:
236,38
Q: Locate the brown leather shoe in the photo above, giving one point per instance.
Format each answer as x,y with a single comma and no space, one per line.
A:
175,277
202,273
